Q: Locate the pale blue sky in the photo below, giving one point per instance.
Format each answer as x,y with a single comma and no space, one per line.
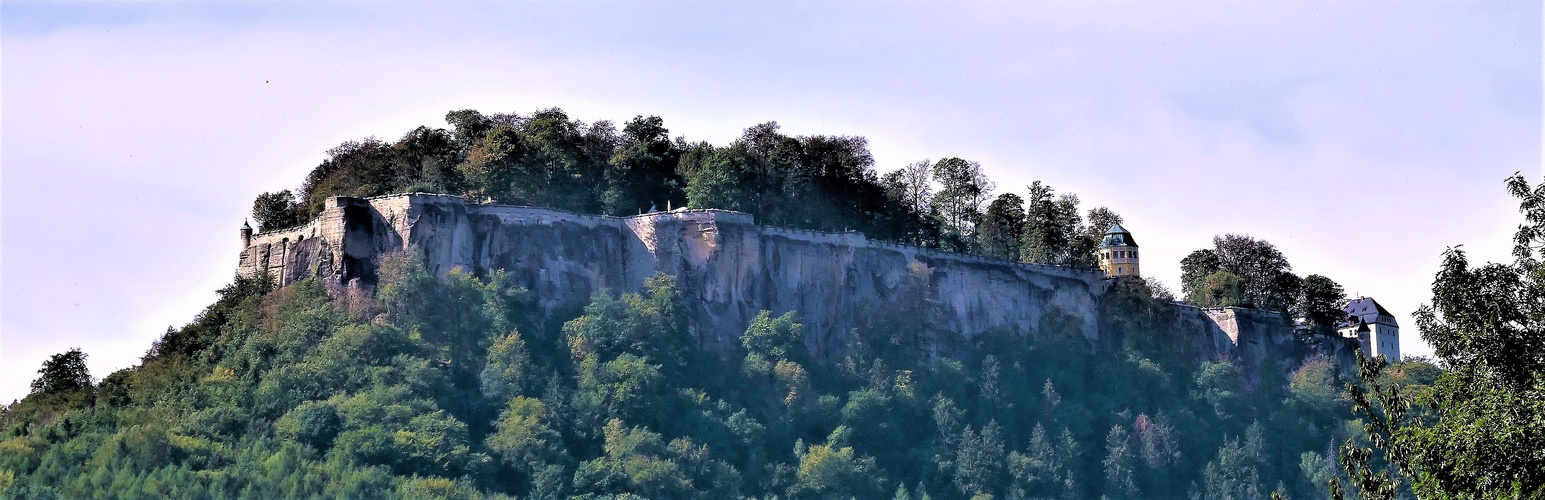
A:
1361,138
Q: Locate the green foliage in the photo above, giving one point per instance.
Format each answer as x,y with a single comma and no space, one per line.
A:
524,436
963,192
642,171
545,159
1314,386
979,460
1002,226
424,159
1120,464
648,327
1243,271
313,423
819,182
1234,474
277,210
832,470
1050,225
1477,431
63,373
1220,289
294,396
1221,385
1054,233
1321,303
505,374
775,339
1195,268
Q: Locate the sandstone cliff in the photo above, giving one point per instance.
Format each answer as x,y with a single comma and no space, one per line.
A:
728,267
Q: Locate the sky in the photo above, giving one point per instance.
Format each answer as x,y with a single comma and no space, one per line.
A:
1361,138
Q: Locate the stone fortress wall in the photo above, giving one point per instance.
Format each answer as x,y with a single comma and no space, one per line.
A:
728,267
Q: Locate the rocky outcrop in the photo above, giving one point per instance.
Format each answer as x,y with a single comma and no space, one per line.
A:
729,267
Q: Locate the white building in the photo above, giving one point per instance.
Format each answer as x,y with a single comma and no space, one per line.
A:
1373,327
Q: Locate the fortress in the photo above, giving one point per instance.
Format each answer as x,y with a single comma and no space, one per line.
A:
728,268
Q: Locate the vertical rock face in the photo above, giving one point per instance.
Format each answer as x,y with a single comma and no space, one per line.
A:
1247,335
728,268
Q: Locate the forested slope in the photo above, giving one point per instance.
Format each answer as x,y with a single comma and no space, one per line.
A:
440,388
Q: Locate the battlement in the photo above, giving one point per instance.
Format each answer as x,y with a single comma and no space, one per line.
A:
267,250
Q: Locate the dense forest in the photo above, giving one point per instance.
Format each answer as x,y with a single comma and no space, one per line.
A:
446,387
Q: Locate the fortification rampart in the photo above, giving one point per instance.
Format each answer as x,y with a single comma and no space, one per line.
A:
728,267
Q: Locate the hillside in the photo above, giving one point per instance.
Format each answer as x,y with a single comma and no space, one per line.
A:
466,381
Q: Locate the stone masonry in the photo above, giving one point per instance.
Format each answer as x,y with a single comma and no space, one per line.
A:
728,267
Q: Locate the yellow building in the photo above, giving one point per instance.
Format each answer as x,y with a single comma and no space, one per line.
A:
1118,253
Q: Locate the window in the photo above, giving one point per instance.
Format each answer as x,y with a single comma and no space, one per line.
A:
1118,270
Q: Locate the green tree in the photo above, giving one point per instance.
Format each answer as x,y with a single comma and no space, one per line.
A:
1120,463
1039,472
1101,219
424,159
313,423
1055,234
1234,475
722,180
63,373
1001,227
1264,273
911,190
777,339
1313,386
963,192
277,211
1052,226
545,159
1321,302
468,125
1160,446
833,470
642,173
1194,270
1221,289
525,439
650,325
1220,384
636,463
507,369
979,460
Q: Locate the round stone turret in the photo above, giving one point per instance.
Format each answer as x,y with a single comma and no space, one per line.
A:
1118,253
246,234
